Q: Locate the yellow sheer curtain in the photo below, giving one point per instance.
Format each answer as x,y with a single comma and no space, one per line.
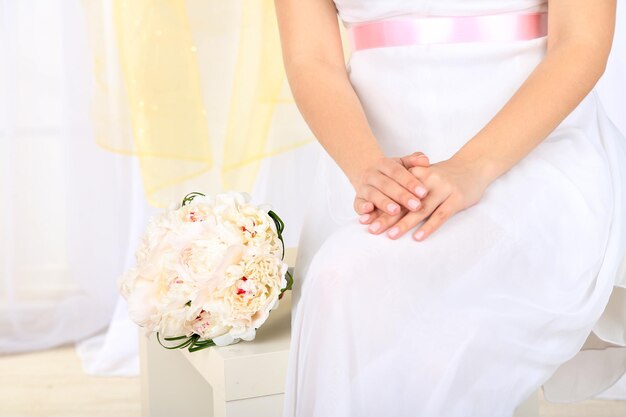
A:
195,89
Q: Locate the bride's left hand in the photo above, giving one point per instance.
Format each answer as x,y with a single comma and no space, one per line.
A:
453,185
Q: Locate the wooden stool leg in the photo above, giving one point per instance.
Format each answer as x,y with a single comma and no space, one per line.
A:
170,386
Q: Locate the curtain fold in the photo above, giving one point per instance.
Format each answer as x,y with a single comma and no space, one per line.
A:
196,90
63,199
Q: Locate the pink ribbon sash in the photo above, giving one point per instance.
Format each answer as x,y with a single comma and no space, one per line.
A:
448,29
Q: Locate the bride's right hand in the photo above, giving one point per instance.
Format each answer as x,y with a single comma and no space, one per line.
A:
388,183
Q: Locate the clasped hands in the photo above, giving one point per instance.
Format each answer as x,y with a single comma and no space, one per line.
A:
396,194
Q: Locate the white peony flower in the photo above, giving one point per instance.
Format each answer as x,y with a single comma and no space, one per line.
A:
142,308
200,209
250,297
200,258
174,323
211,268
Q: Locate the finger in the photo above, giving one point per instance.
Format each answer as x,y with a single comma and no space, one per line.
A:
397,172
367,218
396,192
380,200
436,219
409,221
415,159
419,172
362,206
412,219
372,216
384,221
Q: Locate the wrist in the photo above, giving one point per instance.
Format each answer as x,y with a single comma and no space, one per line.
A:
485,167
360,165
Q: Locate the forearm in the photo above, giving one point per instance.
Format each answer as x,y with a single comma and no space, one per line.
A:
557,85
333,112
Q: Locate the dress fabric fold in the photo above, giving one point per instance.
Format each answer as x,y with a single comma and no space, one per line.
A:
525,289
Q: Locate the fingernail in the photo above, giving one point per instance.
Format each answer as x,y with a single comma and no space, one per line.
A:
420,191
414,204
375,226
392,207
366,206
393,232
364,218
419,235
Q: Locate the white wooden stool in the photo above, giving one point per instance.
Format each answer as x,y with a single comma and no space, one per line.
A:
242,380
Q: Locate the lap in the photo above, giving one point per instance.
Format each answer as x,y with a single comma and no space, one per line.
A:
483,269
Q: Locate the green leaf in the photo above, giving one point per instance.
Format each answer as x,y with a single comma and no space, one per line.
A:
280,226
183,345
197,348
175,338
192,343
201,344
289,283
189,197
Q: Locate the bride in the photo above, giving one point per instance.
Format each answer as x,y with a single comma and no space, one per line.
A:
467,225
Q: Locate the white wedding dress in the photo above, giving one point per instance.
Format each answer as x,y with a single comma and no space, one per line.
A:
521,290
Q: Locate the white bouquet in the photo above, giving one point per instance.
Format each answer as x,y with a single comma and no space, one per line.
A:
209,271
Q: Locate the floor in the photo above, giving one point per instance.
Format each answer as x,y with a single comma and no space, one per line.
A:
52,384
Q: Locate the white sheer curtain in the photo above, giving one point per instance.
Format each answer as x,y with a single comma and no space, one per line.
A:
64,222
71,213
